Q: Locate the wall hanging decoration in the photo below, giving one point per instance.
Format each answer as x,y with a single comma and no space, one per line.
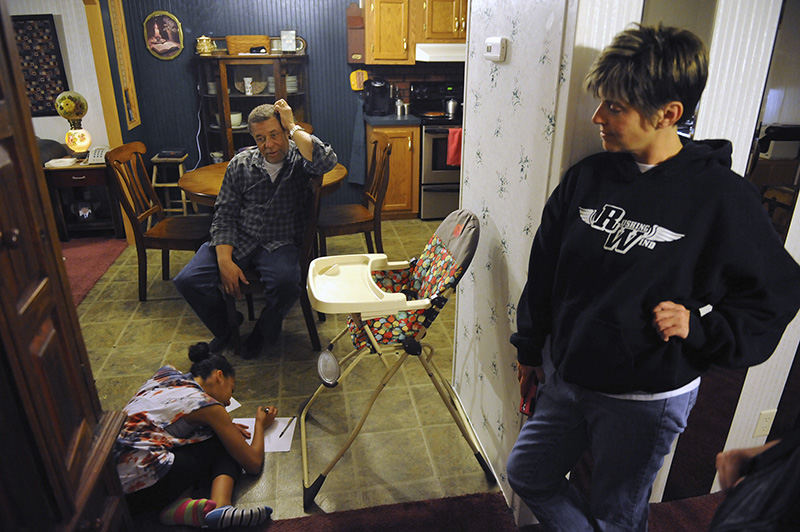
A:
42,65
120,33
163,35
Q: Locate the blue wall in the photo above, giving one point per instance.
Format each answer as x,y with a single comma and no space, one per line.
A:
167,90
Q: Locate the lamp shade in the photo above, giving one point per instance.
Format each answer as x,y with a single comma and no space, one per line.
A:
72,106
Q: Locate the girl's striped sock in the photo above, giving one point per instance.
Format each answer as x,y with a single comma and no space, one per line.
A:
186,511
226,516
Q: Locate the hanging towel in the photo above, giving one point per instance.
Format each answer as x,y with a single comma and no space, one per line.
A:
454,146
356,173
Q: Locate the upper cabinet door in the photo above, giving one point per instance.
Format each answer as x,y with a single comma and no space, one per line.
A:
462,27
386,32
442,20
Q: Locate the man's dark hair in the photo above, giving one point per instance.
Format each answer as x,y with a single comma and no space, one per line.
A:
262,113
649,66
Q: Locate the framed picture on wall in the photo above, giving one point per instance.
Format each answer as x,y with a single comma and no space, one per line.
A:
41,61
163,35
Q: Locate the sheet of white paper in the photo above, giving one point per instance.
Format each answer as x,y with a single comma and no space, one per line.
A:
233,406
273,441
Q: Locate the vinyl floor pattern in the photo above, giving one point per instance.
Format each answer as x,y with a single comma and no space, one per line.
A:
408,450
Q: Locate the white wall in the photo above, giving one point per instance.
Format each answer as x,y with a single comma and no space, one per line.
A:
739,76
525,120
782,95
741,46
76,50
697,17
509,127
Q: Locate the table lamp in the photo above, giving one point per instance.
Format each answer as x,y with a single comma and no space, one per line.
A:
73,107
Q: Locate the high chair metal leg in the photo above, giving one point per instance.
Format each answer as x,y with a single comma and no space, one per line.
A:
453,405
310,490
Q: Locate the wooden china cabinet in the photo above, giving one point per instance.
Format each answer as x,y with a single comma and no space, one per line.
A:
274,75
56,471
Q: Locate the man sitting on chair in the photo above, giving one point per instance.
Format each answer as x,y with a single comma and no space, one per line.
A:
258,223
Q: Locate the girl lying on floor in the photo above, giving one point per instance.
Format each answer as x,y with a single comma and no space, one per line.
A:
178,435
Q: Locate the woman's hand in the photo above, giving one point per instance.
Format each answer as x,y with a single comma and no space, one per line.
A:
671,319
528,376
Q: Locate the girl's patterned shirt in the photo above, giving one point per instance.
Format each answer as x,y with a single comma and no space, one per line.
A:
155,425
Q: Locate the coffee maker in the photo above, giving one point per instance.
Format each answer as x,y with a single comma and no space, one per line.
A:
377,97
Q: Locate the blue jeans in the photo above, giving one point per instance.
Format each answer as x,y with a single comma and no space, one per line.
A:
198,283
627,439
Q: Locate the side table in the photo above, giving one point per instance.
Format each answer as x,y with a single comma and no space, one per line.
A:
64,182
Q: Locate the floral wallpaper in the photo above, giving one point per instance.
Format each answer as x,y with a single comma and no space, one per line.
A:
509,125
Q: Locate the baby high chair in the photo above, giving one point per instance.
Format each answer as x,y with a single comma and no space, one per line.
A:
391,305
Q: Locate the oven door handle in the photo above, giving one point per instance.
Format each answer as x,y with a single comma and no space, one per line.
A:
436,131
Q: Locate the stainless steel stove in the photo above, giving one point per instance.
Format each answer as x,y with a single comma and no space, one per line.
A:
439,182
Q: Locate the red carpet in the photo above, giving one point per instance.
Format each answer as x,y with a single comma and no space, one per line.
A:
87,259
480,512
467,513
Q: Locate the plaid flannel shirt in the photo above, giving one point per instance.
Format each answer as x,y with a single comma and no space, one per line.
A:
251,210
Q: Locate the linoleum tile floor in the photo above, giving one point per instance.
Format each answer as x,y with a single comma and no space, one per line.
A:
409,448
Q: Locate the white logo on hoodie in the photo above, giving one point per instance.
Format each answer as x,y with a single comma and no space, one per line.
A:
624,234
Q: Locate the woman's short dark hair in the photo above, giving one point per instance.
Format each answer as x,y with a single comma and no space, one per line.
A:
204,362
649,66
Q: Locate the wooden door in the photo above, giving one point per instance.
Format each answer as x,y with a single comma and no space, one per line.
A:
386,31
402,193
49,407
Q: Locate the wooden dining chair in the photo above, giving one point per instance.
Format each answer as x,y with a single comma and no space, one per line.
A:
364,217
152,229
256,286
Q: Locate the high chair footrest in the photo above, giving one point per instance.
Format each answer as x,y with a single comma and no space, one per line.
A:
328,369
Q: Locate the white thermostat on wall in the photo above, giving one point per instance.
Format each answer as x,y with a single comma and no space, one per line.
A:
495,49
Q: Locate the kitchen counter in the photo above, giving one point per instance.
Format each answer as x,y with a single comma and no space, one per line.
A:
392,120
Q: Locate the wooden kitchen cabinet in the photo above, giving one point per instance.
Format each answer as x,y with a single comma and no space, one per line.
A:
222,91
402,194
440,20
386,33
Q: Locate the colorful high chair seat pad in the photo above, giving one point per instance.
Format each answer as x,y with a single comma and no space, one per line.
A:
440,266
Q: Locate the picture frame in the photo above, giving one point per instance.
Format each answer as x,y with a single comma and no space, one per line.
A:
163,35
41,61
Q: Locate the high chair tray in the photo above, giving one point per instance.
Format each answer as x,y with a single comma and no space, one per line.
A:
343,284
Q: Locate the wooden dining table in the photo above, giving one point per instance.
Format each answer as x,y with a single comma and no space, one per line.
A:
202,185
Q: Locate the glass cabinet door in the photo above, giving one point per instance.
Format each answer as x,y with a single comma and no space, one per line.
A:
230,87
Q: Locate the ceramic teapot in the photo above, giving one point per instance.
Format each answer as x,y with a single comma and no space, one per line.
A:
205,46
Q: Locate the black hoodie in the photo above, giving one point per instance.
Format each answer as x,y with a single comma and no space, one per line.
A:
614,242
